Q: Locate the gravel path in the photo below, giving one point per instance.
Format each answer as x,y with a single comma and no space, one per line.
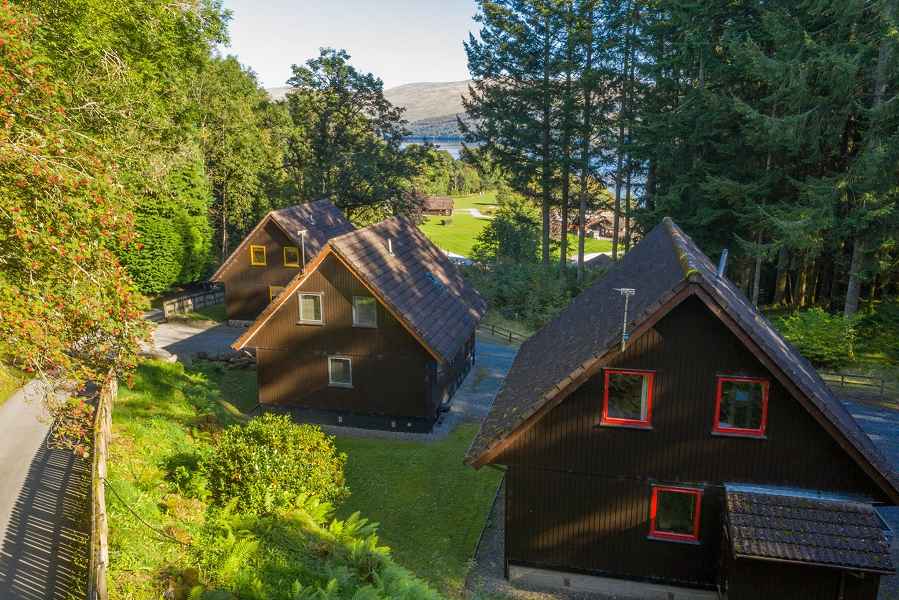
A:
186,338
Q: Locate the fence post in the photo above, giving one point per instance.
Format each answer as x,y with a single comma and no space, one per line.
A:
99,542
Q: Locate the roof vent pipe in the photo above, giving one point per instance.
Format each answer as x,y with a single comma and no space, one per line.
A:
390,245
722,263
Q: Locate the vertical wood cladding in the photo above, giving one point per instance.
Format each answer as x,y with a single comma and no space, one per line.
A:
754,579
392,373
580,492
246,286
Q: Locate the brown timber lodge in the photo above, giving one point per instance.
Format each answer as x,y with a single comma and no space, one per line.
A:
704,459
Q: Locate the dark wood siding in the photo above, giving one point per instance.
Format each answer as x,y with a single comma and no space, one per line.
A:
577,485
391,370
247,286
753,579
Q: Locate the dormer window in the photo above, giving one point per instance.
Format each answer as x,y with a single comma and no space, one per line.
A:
627,398
291,256
257,256
741,406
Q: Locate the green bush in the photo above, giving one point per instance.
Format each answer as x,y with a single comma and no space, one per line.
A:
446,222
877,330
826,340
271,461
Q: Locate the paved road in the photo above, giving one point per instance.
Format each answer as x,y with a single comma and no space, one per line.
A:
44,503
184,339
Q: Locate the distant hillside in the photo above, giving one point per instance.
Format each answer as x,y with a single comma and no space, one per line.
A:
431,108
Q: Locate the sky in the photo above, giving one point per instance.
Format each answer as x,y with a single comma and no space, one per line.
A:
400,41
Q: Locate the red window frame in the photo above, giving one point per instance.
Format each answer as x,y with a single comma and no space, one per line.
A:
668,535
640,423
717,427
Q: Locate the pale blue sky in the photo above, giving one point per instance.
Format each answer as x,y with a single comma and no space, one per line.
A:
400,41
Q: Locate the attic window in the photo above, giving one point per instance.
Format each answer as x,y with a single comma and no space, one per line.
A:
291,256
741,406
365,311
627,398
674,514
311,309
257,256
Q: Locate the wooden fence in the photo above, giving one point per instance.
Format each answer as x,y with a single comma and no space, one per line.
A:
193,301
502,332
877,385
99,542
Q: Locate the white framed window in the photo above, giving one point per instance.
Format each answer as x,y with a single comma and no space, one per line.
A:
340,371
365,311
311,308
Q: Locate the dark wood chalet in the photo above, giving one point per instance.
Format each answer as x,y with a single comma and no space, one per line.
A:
703,457
273,253
378,332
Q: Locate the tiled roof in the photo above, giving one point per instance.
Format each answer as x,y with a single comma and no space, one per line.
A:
662,264
437,203
417,280
815,531
320,219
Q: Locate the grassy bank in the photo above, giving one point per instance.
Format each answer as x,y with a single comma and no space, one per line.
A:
11,379
430,506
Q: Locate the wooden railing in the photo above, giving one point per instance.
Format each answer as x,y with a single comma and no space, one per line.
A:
844,380
192,301
502,332
99,540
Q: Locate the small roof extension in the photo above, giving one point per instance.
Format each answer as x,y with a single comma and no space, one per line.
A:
815,531
665,268
414,280
321,221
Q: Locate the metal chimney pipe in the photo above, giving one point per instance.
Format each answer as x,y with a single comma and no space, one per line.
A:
722,263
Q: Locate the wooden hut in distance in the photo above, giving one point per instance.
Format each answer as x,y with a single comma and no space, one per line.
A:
703,458
378,332
437,205
273,253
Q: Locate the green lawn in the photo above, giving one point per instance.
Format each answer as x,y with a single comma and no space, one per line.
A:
216,313
430,505
478,201
11,379
459,236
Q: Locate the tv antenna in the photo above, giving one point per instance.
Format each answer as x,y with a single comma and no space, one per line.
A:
627,293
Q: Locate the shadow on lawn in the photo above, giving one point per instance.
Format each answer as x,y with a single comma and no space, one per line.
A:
45,553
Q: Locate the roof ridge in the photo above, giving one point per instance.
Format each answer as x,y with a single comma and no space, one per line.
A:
681,241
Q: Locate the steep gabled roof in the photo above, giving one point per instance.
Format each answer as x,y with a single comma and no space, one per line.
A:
665,268
321,221
437,203
417,283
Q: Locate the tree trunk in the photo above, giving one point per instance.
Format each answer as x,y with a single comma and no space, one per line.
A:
566,140
801,284
224,230
627,208
757,275
622,108
546,174
783,267
855,282
587,83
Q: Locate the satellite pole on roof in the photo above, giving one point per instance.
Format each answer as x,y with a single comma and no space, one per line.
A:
627,293
722,263
302,234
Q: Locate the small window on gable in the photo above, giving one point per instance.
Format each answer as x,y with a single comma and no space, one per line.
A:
365,311
257,256
340,371
311,308
291,256
741,406
674,513
273,291
627,398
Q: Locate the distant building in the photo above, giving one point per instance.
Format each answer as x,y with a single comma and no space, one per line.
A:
437,205
701,456
600,224
273,253
378,332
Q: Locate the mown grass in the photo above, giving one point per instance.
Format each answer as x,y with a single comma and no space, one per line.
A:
430,505
215,313
459,236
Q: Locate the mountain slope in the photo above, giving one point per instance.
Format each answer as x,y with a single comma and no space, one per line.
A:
431,107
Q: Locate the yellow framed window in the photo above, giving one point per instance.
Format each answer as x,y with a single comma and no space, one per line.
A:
257,256
273,291
291,256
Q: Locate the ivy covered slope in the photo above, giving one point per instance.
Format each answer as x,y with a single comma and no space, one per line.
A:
175,526
66,304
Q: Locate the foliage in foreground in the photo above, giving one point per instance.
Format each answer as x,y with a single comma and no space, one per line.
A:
301,553
67,307
271,461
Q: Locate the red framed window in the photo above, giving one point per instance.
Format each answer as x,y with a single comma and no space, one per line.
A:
674,513
627,398
741,406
